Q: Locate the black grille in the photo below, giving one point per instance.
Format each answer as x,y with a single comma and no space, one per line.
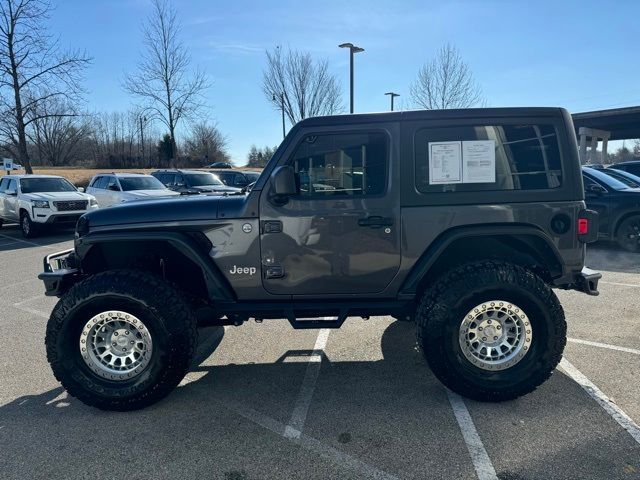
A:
71,205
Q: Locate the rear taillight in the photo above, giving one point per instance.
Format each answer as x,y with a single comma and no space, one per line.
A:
587,228
583,226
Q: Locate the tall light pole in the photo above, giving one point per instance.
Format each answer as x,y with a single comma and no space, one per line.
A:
284,133
352,49
142,118
392,95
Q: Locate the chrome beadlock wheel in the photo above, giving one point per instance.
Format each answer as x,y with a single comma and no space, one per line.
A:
116,345
495,335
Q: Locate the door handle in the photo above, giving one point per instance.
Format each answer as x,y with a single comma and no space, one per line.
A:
375,222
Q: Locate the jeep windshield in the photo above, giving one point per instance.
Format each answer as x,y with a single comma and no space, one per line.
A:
202,180
41,185
140,183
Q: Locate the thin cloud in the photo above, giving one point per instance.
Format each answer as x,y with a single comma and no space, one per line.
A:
238,48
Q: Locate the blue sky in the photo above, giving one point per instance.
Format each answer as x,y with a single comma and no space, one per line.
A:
581,55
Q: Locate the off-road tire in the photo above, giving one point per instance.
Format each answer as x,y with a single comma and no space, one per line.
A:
444,305
628,225
28,228
167,316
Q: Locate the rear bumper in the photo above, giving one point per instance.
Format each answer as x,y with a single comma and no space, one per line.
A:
587,281
59,273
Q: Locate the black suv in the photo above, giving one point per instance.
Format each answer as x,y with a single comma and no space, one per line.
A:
632,166
615,195
192,181
462,221
236,178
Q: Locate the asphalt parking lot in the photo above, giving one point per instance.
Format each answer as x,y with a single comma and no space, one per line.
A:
266,401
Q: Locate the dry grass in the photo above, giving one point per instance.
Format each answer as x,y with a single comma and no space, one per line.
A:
80,177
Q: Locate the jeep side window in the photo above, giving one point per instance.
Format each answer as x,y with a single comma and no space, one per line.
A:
349,164
101,182
527,157
4,183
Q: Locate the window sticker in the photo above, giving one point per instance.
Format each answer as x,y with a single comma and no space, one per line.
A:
479,161
445,162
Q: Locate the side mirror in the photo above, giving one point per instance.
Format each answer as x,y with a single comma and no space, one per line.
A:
596,189
11,192
283,184
81,189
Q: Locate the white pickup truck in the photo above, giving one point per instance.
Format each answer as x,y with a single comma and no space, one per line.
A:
36,201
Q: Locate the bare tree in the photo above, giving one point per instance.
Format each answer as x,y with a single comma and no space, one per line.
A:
163,83
57,134
32,69
306,87
446,82
206,143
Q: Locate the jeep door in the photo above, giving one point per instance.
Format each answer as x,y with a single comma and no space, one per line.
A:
339,234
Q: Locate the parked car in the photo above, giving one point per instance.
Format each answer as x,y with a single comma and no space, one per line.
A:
192,181
38,201
617,204
630,179
236,178
632,166
113,188
220,165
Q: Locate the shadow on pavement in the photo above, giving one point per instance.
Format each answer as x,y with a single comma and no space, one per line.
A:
390,412
608,257
11,238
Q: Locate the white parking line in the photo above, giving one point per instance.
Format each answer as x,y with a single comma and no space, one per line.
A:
364,470
27,300
621,284
604,345
299,415
594,392
14,285
479,456
32,311
25,241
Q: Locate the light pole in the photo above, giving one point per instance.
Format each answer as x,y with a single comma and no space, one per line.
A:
392,95
142,118
352,49
284,133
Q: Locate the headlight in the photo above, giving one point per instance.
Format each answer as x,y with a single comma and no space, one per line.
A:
41,204
93,202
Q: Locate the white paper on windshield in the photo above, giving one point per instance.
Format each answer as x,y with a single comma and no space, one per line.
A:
445,162
479,161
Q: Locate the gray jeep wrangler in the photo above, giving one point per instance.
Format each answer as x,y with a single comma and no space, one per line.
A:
462,221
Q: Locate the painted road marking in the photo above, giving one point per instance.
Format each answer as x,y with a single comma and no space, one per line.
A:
594,392
25,241
27,300
299,415
364,470
604,345
479,456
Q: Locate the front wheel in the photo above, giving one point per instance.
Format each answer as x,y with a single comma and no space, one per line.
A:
121,340
491,331
27,226
628,234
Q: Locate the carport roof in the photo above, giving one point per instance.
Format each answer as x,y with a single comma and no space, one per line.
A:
623,123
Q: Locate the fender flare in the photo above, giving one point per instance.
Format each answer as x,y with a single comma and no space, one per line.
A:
218,287
429,257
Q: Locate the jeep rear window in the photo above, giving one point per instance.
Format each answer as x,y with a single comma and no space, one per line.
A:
527,157
347,164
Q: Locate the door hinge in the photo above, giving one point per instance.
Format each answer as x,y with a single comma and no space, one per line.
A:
271,226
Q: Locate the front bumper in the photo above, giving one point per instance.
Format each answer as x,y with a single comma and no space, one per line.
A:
60,273
51,216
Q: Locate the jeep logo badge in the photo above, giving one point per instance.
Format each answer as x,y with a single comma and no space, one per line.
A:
242,270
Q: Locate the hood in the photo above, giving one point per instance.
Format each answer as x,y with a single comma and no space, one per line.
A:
56,196
183,208
150,193
214,189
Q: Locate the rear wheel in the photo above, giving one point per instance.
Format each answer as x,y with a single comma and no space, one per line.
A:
491,331
628,234
121,340
28,228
